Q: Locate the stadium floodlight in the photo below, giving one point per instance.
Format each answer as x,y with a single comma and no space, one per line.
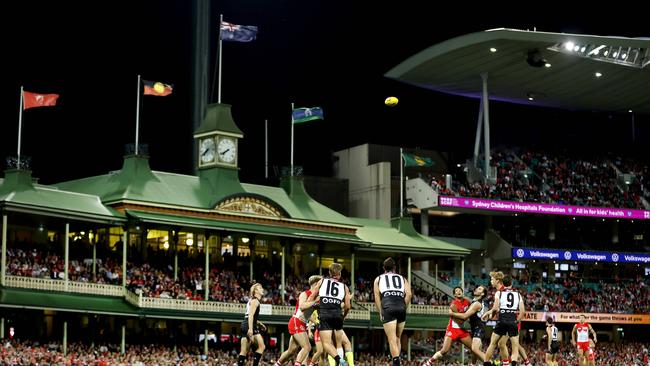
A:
617,54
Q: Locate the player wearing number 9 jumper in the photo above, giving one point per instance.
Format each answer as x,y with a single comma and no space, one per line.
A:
392,295
510,306
332,294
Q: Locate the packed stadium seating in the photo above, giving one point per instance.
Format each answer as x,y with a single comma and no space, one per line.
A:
562,178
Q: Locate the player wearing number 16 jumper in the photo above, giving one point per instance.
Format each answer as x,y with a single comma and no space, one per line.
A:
392,294
332,294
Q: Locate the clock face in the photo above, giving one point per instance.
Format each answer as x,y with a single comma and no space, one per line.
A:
227,150
207,150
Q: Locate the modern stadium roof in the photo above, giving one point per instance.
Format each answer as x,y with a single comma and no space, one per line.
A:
569,71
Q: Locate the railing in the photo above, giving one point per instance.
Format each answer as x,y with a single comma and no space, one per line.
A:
428,310
35,283
220,307
282,310
132,298
438,285
414,309
358,315
46,284
191,305
95,289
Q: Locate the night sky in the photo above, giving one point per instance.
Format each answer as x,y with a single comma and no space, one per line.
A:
324,53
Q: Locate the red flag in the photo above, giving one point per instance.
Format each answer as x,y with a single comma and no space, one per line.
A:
156,88
33,100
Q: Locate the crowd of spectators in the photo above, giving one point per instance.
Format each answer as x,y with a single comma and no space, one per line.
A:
33,353
566,294
226,285
151,279
626,353
622,297
544,177
16,352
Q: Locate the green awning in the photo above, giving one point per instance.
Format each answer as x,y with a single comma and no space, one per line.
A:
244,227
401,237
18,193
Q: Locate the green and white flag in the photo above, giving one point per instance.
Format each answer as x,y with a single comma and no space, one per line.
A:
415,160
301,115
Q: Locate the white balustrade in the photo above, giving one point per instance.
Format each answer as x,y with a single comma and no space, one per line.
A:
358,315
95,289
192,305
46,284
283,310
132,298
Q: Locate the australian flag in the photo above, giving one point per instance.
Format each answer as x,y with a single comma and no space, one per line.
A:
238,33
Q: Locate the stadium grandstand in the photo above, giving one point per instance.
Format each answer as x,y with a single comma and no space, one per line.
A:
139,266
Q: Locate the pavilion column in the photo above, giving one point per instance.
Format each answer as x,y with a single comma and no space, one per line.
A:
125,238
408,348
66,257
251,248
282,276
4,252
65,337
123,340
95,261
205,343
206,249
282,342
352,280
173,239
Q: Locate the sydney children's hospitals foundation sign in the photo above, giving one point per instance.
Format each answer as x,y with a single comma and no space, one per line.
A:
542,208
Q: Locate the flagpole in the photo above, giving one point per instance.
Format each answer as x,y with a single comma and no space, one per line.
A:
401,182
20,125
291,139
220,56
266,148
137,118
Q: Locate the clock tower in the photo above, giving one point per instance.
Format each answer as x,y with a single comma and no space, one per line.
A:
218,154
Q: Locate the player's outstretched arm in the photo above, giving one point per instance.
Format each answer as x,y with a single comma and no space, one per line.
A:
473,309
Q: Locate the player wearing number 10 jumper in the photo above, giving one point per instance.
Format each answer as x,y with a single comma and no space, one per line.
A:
392,295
